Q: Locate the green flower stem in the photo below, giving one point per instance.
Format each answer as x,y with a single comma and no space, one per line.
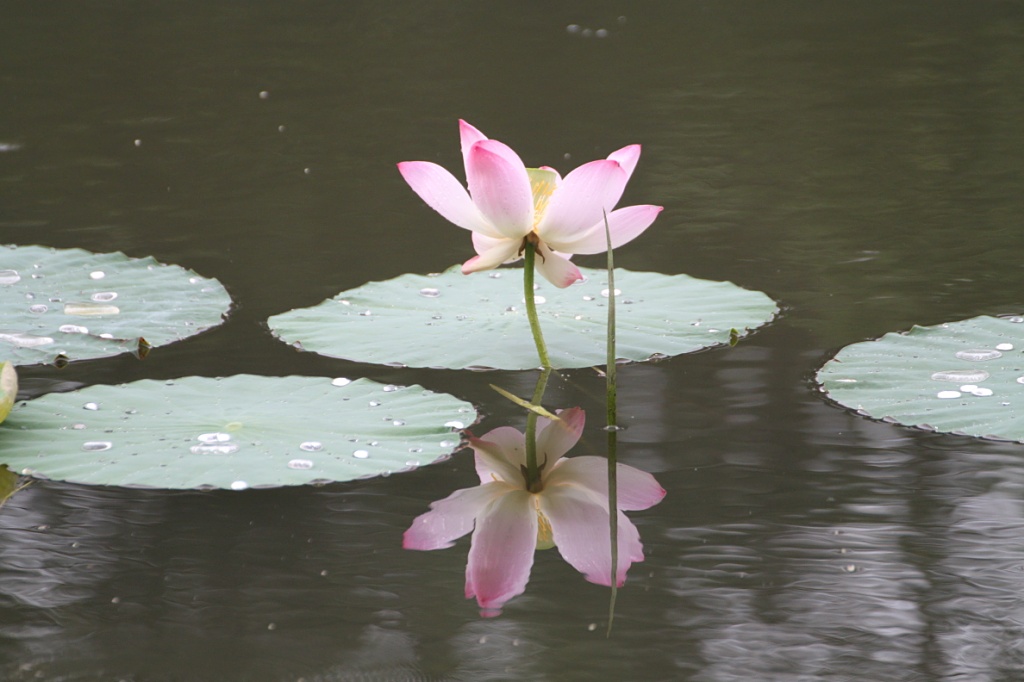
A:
613,431
532,469
529,255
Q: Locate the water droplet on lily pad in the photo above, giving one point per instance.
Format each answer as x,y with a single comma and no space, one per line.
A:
429,292
311,446
73,329
213,437
961,375
946,395
300,464
97,274
340,381
9,277
97,445
1004,346
390,388
214,449
38,308
91,406
91,309
25,340
978,354
360,454
448,443
104,296
239,485
604,292
455,424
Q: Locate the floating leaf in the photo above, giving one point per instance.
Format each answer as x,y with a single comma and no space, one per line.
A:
8,389
963,377
479,322
58,305
236,432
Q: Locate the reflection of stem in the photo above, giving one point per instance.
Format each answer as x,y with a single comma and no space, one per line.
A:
613,430
532,470
529,255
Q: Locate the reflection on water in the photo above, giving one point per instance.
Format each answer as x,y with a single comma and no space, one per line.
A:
511,515
860,163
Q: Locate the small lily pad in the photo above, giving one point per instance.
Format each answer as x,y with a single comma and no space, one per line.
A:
963,377
59,305
237,432
452,321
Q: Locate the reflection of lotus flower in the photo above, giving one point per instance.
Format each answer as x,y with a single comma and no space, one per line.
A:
568,509
508,204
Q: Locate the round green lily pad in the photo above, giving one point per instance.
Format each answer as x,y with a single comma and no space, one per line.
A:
962,377
68,304
453,321
237,432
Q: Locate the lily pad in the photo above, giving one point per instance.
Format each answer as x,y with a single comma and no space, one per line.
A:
237,432
452,321
963,377
59,305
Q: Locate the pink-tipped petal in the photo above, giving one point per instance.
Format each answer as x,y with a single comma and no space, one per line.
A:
627,158
501,555
502,251
636,489
555,268
624,224
554,439
499,454
468,136
451,518
446,195
581,200
500,188
579,526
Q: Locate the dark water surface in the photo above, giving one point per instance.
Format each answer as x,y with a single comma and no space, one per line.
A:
860,162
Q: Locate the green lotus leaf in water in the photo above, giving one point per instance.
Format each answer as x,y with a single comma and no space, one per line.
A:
453,321
237,432
69,304
963,377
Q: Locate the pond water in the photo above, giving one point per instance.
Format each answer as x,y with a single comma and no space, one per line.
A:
859,162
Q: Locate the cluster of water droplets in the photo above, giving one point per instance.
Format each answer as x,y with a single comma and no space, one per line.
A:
970,378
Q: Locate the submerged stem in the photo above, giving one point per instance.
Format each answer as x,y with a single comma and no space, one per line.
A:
612,429
529,256
532,469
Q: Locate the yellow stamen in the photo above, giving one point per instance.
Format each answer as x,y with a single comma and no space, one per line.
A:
545,537
542,183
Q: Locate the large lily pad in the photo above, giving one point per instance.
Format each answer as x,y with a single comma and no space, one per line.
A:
70,304
236,432
962,377
453,321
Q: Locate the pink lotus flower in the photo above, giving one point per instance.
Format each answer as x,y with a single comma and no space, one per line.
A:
569,510
508,204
